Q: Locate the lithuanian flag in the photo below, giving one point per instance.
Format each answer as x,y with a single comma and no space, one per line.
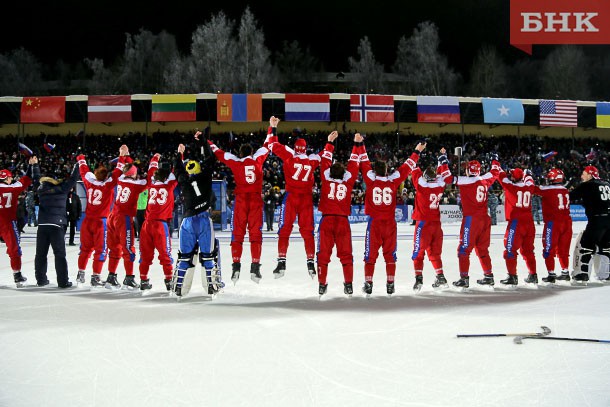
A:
174,108
603,115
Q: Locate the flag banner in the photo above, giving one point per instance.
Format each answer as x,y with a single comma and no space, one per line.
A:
603,115
558,113
239,107
438,109
48,109
307,107
48,147
371,108
503,111
25,150
174,108
549,156
109,109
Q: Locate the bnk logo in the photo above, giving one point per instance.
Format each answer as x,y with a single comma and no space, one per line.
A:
559,22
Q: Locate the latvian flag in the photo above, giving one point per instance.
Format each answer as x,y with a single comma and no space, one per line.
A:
371,108
109,109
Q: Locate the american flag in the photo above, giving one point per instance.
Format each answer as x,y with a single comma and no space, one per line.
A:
560,113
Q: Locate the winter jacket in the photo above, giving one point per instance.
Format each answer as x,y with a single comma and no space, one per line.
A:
53,195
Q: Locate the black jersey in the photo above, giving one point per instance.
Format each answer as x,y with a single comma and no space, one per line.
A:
196,190
594,195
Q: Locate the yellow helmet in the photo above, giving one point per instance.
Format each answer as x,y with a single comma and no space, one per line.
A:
193,167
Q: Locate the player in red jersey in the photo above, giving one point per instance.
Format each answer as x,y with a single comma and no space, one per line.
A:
520,230
557,234
155,232
335,205
428,236
248,209
120,226
93,230
380,205
298,170
9,192
475,232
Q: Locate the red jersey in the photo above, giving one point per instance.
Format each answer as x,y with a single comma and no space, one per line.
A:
9,195
428,195
100,194
336,194
160,194
473,190
247,171
128,190
380,198
555,202
298,168
518,197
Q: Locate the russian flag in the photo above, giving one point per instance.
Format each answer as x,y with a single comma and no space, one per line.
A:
438,109
549,156
23,149
48,147
307,107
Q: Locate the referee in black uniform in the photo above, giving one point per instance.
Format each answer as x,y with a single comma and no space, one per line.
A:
594,194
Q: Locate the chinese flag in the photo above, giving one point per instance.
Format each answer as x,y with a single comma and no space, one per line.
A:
50,109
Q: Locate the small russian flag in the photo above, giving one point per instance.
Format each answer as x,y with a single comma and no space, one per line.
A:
114,160
23,149
48,147
549,156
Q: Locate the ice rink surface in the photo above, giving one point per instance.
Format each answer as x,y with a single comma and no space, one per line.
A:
278,344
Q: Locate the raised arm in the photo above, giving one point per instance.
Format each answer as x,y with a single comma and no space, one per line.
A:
411,162
326,154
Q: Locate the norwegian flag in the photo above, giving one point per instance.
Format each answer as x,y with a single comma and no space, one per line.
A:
371,108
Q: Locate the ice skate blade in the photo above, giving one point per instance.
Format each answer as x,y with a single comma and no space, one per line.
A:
531,286
460,289
278,275
20,285
508,287
440,287
486,287
146,293
129,288
575,283
254,278
416,290
112,287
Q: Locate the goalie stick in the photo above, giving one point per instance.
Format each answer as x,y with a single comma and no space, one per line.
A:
519,339
545,331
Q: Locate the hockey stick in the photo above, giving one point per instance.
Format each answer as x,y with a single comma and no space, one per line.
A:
545,332
519,339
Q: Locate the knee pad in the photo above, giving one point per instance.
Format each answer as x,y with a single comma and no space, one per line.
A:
186,257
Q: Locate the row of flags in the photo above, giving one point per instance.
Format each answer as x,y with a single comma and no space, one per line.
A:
306,107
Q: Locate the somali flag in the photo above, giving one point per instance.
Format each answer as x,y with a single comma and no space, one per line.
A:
503,111
438,109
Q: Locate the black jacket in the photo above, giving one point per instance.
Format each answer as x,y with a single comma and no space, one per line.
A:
74,208
594,195
52,210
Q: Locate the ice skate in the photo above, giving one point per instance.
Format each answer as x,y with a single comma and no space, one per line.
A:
19,279
255,272
145,287
389,288
311,268
80,278
348,289
440,282
235,274
112,283
96,282
168,284
129,283
322,288
368,288
487,281
551,278
563,278
510,281
419,282
580,279
532,280
462,284
280,269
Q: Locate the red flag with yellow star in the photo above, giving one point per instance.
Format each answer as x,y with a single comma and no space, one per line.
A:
44,109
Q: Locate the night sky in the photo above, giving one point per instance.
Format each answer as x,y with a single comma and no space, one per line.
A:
73,30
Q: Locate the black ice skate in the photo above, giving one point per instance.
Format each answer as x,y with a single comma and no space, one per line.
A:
255,272
488,279
440,281
280,269
311,268
96,281
130,284
368,288
511,279
322,289
463,282
531,279
419,282
236,270
581,278
145,285
80,277
168,284
19,279
389,288
564,276
550,278
348,289
112,283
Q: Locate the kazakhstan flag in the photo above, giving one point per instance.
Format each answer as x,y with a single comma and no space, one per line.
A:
503,111
603,115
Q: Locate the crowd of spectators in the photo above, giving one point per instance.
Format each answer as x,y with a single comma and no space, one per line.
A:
536,153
